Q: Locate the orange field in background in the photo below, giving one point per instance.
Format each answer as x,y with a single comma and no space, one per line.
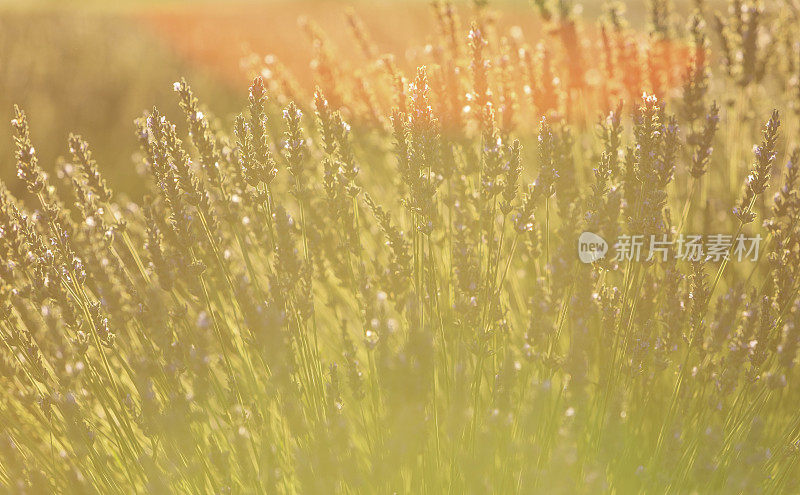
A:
217,36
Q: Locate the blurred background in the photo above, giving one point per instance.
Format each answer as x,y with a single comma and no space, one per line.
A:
91,68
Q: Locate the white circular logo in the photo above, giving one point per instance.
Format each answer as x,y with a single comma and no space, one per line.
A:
591,247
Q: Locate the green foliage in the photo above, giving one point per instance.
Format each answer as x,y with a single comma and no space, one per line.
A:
375,288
